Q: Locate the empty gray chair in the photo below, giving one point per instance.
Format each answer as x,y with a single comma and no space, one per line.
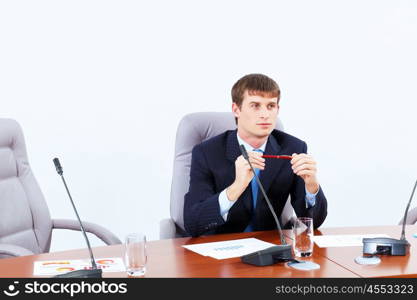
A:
193,129
411,217
25,223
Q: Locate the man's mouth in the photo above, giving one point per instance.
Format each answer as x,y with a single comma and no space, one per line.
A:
264,124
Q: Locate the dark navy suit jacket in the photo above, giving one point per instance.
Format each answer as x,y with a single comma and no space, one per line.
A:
213,170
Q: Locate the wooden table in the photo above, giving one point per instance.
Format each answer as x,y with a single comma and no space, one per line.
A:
167,258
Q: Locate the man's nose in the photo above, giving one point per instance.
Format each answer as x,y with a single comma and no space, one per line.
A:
263,113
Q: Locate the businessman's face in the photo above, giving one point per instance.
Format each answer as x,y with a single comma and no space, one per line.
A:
257,115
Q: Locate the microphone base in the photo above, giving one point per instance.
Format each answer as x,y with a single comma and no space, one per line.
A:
95,273
386,246
269,256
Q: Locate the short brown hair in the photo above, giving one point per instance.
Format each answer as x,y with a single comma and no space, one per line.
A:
255,84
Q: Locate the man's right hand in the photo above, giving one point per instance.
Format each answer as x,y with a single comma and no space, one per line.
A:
244,174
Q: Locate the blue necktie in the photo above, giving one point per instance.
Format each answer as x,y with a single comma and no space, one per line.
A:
255,189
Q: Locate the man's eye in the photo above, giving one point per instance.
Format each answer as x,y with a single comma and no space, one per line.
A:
271,106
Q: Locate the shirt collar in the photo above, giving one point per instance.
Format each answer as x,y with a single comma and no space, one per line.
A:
249,147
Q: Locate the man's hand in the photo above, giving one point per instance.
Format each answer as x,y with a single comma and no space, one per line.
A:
244,174
305,166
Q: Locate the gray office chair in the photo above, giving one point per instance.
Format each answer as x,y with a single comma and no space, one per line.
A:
411,217
25,223
193,129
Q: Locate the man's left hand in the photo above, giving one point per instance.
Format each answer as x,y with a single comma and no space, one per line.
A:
305,166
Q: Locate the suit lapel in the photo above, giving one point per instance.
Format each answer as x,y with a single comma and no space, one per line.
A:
272,166
232,153
232,146
267,176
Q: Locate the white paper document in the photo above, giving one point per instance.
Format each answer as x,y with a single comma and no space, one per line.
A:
229,249
345,240
56,267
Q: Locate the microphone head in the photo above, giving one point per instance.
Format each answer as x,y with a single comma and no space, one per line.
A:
58,166
244,153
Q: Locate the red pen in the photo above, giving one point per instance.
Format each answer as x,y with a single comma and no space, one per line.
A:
278,156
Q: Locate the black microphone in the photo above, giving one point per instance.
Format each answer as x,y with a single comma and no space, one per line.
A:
389,246
271,255
406,212
58,166
94,272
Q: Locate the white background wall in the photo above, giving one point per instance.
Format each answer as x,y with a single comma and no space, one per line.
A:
103,84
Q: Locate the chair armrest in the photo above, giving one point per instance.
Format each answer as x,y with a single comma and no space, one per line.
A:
287,216
167,229
102,233
411,217
13,250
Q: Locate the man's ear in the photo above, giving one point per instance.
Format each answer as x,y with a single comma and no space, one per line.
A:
235,110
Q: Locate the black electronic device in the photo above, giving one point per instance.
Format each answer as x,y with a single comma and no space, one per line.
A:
274,254
94,272
389,246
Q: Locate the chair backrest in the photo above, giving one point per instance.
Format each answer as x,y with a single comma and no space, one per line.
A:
24,215
193,129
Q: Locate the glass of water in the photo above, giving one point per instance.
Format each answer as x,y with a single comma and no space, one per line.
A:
303,234
135,254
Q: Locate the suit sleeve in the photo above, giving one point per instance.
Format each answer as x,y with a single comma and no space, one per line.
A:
201,205
319,211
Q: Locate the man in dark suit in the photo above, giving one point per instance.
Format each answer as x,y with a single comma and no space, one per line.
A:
223,196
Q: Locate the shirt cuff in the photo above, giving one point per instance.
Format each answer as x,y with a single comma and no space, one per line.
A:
224,204
311,198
